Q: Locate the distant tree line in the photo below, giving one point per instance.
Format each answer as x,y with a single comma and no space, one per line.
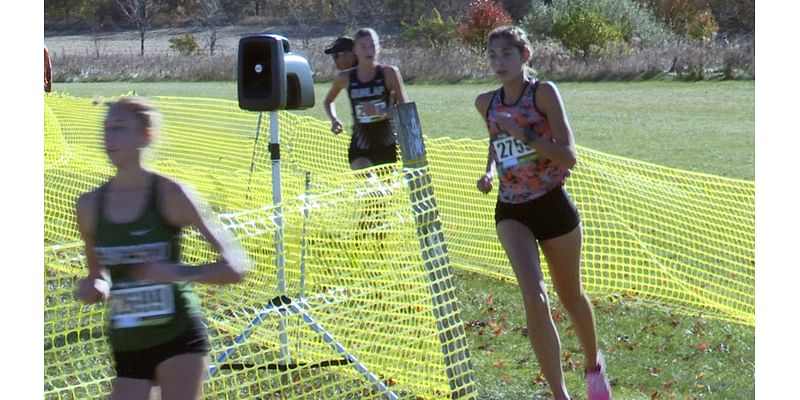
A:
732,16
585,30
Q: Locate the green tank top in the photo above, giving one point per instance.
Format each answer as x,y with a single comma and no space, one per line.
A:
142,315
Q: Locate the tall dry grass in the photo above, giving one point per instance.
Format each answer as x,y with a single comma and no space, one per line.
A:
733,60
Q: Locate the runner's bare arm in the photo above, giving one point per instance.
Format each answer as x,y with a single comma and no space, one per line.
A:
394,81
339,83
485,182
181,208
561,150
94,287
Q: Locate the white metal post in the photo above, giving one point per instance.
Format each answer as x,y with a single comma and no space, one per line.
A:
280,259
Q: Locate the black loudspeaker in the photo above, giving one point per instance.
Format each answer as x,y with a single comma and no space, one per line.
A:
261,72
270,77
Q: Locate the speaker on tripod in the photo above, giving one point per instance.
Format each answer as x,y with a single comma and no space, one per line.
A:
271,77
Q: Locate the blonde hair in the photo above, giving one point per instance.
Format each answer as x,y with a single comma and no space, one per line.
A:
147,116
519,39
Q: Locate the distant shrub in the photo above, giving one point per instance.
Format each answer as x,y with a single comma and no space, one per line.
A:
480,17
638,25
184,45
702,26
682,15
539,21
586,30
434,31
674,13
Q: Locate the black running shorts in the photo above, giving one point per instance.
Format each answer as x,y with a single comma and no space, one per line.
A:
142,364
549,216
378,155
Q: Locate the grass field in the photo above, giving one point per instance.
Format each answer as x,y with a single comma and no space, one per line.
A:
703,127
653,352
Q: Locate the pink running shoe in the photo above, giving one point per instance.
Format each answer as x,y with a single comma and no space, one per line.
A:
597,382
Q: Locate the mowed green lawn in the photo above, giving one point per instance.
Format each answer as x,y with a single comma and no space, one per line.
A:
653,352
703,127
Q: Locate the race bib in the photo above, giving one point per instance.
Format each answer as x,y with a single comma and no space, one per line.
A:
380,107
142,305
510,151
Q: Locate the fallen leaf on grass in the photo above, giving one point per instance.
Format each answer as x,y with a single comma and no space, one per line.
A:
475,324
703,347
699,329
649,327
700,375
673,321
572,365
498,363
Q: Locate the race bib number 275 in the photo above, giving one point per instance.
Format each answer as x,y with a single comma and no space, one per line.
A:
510,151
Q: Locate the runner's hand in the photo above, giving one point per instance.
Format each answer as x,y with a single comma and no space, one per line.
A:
91,290
509,124
336,126
485,184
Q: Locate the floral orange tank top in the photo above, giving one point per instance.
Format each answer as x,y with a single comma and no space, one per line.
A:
523,174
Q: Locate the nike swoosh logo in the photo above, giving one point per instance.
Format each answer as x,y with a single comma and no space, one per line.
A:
140,232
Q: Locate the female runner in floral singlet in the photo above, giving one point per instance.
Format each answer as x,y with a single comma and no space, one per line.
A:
531,152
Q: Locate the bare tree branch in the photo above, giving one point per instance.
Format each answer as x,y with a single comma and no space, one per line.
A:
300,13
139,13
211,18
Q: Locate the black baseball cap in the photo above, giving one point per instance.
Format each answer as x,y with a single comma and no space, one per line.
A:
340,45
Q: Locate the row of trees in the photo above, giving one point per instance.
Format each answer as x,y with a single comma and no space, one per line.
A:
103,15
583,26
733,16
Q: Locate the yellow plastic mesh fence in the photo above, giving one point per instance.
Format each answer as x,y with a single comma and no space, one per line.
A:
655,232
373,311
